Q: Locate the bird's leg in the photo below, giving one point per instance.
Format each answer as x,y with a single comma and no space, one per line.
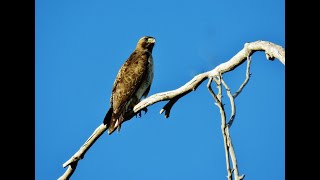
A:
145,110
119,127
139,112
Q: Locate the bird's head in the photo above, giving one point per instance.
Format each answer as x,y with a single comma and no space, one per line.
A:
146,42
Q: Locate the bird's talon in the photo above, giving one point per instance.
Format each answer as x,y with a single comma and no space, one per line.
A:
139,114
145,110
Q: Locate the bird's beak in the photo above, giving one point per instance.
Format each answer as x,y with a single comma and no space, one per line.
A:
151,40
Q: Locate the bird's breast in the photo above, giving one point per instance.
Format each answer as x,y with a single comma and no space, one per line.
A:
147,80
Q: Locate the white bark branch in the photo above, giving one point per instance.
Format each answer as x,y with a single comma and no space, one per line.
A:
272,51
223,122
233,97
73,161
232,104
248,74
225,131
233,155
71,168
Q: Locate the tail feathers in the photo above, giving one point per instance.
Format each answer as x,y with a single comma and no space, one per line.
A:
107,118
112,122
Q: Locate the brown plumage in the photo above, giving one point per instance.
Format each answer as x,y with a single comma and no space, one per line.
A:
133,82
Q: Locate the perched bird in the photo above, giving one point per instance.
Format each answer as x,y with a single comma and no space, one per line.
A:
133,82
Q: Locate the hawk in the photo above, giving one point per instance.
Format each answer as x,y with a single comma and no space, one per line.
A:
132,82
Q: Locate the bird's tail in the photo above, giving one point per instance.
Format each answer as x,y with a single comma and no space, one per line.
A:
111,122
107,119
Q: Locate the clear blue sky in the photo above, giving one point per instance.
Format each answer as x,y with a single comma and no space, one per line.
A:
80,46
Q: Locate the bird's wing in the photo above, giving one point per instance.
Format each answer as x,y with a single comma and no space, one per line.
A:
129,79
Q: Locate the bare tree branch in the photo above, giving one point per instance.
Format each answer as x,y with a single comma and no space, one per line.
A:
248,74
272,51
71,168
223,122
168,106
73,161
233,107
233,155
225,131
232,97
211,91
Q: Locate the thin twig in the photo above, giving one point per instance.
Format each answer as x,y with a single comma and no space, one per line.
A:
225,132
168,106
248,74
211,91
217,80
233,156
232,104
223,120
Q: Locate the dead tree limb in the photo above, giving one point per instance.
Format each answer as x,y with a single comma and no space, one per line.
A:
73,161
223,123
229,150
271,50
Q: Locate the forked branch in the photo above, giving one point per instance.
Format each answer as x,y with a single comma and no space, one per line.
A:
223,121
271,50
229,150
